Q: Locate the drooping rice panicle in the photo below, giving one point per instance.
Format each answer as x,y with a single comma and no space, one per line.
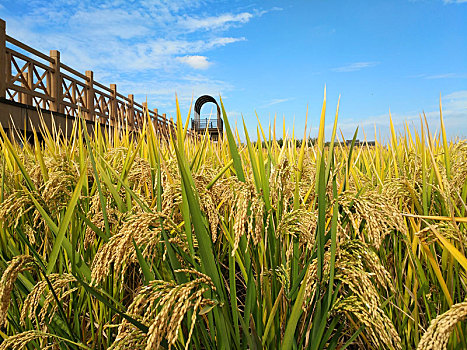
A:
185,242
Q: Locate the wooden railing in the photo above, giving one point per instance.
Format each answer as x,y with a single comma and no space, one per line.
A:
30,77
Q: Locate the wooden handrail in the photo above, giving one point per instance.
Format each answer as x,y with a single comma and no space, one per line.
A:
72,71
3,60
123,97
26,58
27,48
29,93
103,87
70,78
101,93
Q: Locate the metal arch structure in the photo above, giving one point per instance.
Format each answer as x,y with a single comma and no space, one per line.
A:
201,101
214,127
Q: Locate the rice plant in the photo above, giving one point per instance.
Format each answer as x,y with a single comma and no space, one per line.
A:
127,240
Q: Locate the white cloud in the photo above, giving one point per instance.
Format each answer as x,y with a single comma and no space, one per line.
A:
446,76
196,62
456,101
147,47
440,76
263,12
455,1
216,22
111,23
112,39
224,41
354,67
277,101
161,93
120,37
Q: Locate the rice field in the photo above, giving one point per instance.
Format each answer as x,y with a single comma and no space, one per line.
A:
129,241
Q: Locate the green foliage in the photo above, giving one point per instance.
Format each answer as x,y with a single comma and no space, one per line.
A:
129,240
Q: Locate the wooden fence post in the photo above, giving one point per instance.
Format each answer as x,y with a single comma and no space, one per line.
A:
131,112
113,118
55,82
146,116
90,95
156,120
27,83
23,96
3,63
166,125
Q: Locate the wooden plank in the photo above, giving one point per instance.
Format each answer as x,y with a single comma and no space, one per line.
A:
131,115
100,93
101,102
74,80
40,81
90,95
55,81
3,60
19,77
27,48
74,106
102,117
124,98
72,71
141,107
14,53
113,106
27,91
28,79
103,87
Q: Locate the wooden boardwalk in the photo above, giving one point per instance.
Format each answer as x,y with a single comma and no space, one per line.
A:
33,83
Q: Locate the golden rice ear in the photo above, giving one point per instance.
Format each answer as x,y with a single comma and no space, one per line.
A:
364,278
379,213
164,305
21,340
144,228
13,207
17,265
301,223
46,341
358,257
62,286
437,335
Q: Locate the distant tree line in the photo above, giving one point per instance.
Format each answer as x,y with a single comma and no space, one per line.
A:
313,141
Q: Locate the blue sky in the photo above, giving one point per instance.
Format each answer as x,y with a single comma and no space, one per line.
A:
272,57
